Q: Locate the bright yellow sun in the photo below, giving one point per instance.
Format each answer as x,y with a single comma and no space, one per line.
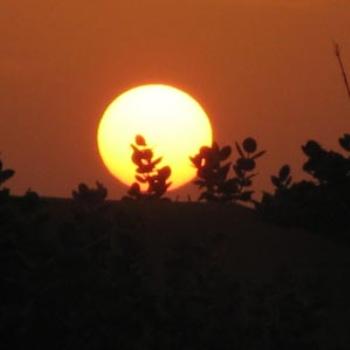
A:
174,125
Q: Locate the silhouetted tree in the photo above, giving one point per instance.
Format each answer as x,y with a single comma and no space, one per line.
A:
148,173
213,169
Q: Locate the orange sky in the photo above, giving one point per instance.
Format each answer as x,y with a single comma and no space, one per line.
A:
259,69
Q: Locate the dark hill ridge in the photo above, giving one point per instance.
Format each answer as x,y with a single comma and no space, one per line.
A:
240,239
178,257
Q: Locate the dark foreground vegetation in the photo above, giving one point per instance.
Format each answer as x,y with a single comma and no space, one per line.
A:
321,204
133,276
144,273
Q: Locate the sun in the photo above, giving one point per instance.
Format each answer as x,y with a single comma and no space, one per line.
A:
173,123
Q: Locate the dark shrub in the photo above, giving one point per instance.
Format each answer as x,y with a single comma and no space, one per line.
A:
148,173
321,205
213,172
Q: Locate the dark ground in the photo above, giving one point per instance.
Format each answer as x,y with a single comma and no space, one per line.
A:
170,275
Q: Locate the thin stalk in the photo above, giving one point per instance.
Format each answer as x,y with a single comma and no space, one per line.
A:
342,67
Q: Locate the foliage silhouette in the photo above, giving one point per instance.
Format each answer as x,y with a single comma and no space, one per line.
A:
283,180
321,205
148,173
90,197
213,169
30,201
5,175
84,281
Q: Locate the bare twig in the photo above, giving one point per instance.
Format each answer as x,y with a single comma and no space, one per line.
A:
342,68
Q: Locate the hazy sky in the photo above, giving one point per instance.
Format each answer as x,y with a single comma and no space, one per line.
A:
262,68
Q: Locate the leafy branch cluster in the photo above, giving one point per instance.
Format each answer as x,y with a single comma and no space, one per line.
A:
213,171
96,272
148,173
321,204
328,168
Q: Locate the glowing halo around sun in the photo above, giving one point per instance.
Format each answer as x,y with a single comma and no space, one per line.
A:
173,123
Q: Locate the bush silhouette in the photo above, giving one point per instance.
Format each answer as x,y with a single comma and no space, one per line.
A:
283,180
148,172
30,201
213,169
327,167
321,205
66,275
90,197
5,175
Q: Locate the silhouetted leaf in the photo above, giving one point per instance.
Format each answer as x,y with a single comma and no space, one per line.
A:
225,152
134,189
5,175
229,186
147,154
137,157
140,140
144,168
249,145
157,161
246,196
276,181
164,173
83,188
345,142
215,148
289,181
312,148
196,160
238,171
284,173
204,151
140,179
246,164
101,190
